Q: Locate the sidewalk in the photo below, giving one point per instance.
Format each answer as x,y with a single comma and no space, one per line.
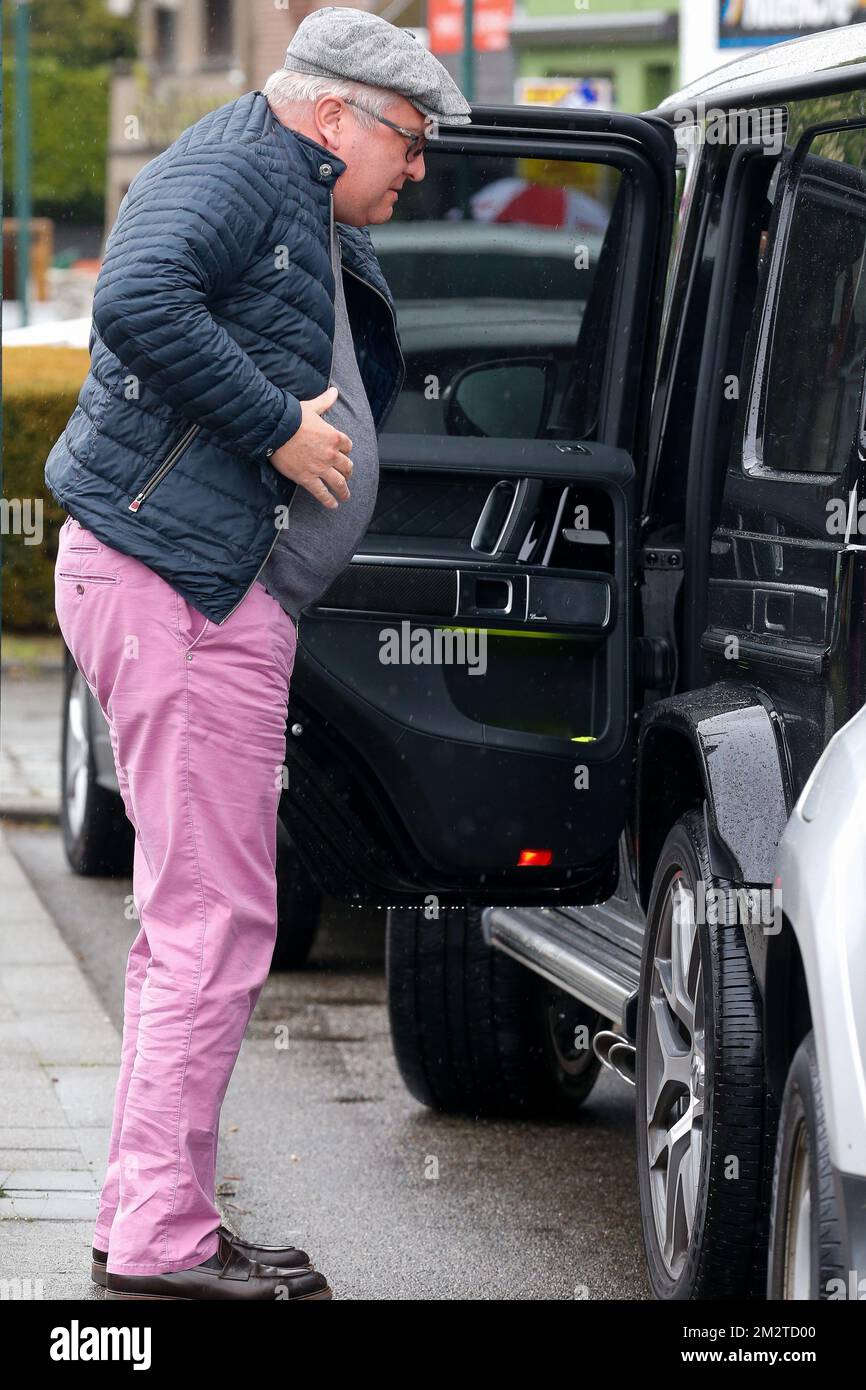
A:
30,710
59,1055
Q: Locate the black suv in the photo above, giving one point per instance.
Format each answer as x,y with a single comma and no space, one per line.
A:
608,614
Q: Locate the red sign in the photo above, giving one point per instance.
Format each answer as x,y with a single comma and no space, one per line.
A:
491,24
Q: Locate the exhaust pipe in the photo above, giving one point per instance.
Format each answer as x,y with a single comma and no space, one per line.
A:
617,1053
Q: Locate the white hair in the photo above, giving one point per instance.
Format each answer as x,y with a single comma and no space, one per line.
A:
297,89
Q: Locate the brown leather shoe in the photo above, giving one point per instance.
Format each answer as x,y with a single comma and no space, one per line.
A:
281,1256
238,1277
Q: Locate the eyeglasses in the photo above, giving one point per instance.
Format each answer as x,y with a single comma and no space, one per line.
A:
417,140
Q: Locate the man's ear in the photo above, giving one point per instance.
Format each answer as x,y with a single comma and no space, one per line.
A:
328,116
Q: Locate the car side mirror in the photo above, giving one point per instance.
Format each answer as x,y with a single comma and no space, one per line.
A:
508,399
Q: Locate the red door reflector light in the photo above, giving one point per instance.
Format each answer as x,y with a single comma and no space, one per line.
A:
534,857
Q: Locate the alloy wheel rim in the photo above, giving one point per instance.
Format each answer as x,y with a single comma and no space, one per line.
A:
77,766
675,1073
798,1226
563,1014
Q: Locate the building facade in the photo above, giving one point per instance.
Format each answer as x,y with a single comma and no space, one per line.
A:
620,54
193,55
196,54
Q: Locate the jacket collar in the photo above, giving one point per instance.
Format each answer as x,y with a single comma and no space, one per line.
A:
324,164
326,167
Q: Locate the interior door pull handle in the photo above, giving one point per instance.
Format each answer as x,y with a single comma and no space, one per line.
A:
501,502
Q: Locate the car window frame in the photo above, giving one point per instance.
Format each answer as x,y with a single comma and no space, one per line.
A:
751,451
620,424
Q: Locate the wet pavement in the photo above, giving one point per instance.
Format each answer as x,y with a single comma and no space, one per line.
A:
321,1145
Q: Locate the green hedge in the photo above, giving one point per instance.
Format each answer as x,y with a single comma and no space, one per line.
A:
69,111
40,391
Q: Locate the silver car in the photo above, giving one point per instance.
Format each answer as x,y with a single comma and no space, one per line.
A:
818,1228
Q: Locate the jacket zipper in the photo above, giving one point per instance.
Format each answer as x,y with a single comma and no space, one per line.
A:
277,530
395,393
168,462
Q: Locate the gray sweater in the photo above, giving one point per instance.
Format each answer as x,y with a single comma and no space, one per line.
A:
319,542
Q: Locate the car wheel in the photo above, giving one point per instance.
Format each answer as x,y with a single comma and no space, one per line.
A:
805,1235
299,905
475,1032
97,836
705,1121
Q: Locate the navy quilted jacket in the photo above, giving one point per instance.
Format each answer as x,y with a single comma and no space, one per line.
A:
213,317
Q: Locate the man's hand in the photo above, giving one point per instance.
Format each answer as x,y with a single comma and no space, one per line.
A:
316,456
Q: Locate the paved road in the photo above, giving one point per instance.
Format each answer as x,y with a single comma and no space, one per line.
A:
322,1145
30,741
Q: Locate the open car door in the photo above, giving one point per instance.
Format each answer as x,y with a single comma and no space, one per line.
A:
460,716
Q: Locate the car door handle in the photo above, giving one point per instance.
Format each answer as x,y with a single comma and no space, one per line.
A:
492,525
498,527
482,594
583,603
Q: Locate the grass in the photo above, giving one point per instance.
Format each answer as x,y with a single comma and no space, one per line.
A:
43,369
31,650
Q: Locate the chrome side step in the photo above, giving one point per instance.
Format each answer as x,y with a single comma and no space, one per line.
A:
568,954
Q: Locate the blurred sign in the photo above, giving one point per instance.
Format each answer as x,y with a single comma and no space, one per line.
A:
581,92
491,25
590,180
763,21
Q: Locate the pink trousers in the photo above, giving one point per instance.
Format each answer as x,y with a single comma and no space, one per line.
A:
197,717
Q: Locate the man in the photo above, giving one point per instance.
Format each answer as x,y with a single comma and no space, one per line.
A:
223,336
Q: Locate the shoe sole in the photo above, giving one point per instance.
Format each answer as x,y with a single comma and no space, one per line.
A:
98,1274
177,1298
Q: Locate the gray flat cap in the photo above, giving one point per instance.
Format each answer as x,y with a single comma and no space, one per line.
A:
337,41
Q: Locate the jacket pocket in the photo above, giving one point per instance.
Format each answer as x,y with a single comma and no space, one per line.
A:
167,464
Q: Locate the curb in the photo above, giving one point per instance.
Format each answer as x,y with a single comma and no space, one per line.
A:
11,812
30,668
59,1061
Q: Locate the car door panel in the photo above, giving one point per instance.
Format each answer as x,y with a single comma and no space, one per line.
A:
461,698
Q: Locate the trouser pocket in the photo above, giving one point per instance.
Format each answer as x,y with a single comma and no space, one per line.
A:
79,578
191,624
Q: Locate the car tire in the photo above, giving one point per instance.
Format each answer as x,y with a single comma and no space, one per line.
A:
805,1232
476,1033
299,906
97,836
705,1120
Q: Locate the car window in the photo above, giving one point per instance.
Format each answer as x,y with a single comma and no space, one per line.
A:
688,167
813,384
728,242
503,296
